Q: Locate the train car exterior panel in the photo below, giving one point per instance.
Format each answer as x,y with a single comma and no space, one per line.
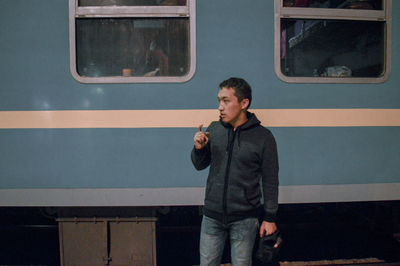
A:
70,158
129,144
38,51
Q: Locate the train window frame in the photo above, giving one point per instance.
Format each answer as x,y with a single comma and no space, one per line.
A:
383,15
151,12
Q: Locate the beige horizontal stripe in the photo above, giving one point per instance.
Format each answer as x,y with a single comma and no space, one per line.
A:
179,196
193,118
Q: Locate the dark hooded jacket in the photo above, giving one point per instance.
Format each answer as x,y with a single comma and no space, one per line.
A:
238,160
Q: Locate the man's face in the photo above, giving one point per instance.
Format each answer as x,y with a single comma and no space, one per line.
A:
230,108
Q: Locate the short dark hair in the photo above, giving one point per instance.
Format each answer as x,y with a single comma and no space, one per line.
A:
241,87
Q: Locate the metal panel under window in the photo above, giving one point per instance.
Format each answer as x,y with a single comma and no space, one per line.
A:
107,241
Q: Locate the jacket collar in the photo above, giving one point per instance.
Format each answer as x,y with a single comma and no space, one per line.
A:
251,122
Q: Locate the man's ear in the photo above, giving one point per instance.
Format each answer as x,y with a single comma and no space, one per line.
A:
244,103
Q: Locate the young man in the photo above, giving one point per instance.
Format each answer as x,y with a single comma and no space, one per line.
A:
239,152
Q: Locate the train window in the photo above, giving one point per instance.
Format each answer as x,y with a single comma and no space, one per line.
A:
128,41
333,41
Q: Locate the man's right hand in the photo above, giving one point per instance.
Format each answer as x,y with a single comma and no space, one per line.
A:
200,138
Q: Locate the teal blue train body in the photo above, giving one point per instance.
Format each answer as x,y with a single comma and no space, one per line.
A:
151,166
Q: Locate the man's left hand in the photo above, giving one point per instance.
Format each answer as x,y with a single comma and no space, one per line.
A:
267,228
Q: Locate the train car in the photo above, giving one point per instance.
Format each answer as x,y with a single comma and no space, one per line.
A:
99,100
72,137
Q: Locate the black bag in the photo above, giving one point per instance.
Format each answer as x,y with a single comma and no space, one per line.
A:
268,247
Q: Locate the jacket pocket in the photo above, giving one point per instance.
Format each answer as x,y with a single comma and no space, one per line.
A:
253,196
213,198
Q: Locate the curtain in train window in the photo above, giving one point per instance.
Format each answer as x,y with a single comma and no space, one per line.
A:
353,4
133,40
339,41
131,2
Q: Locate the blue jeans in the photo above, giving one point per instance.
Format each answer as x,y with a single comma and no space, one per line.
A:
213,234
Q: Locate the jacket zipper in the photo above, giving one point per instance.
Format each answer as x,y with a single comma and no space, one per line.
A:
228,166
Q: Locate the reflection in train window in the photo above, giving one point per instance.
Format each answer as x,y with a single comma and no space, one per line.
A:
336,41
118,41
322,48
135,47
